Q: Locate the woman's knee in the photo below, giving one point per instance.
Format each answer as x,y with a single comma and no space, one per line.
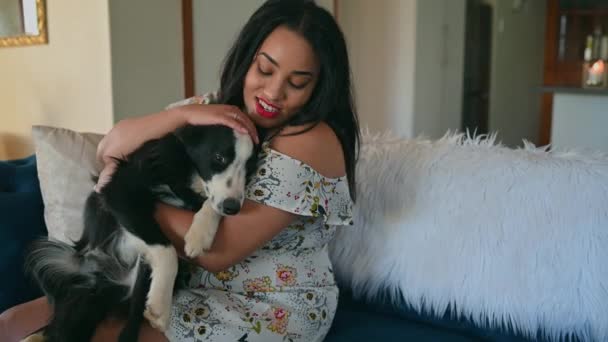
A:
110,329
7,320
24,319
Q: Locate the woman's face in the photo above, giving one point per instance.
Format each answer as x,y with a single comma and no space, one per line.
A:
281,78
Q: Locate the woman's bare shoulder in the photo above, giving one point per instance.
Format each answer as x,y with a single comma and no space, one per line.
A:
318,147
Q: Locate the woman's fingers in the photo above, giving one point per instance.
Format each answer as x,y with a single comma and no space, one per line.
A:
106,174
230,116
231,120
244,122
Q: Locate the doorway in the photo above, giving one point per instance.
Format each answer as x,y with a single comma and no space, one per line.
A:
477,63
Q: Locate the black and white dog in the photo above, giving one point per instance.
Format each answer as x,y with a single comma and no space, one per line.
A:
123,264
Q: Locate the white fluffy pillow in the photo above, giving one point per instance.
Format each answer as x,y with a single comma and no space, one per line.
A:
66,160
507,236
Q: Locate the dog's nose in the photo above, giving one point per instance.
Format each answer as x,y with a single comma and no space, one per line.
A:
231,206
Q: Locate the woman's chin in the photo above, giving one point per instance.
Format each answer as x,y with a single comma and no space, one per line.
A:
262,121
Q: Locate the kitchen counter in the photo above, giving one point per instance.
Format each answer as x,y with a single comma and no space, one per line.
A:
575,90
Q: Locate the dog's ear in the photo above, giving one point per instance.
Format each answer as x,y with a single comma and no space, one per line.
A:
252,163
187,134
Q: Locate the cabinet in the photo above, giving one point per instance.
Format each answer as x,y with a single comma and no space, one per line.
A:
568,24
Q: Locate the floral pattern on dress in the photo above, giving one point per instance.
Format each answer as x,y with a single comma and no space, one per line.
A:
286,290
307,192
286,275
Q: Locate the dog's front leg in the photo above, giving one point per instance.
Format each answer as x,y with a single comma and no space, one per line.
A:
202,231
163,263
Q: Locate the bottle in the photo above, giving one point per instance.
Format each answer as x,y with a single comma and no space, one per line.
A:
597,41
594,68
604,48
588,54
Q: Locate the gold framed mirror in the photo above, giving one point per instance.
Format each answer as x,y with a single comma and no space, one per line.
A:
22,22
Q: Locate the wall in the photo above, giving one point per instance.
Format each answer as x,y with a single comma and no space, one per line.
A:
381,38
147,58
64,83
438,91
516,72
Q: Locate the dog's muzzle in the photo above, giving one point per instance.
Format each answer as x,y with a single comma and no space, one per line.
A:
231,206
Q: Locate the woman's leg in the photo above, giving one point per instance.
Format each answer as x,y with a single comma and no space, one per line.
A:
24,319
109,330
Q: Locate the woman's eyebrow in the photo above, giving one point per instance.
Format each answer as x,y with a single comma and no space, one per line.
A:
297,72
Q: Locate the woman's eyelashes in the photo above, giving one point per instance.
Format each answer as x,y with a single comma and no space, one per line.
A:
298,86
264,72
268,72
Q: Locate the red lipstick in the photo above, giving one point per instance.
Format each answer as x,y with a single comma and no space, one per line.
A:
263,112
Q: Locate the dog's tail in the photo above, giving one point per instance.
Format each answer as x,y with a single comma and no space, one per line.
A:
70,288
57,268
77,287
61,268
82,282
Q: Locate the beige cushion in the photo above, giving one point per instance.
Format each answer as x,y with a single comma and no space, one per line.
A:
66,162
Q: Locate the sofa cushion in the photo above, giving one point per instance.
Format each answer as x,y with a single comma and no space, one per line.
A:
404,320
511,238
66,164
359,320
21,221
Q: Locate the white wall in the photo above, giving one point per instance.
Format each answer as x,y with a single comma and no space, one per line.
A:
580,122
64,83
147,55
440,32
381,37
407,60
516,74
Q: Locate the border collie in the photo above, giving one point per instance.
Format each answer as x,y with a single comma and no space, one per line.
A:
123,265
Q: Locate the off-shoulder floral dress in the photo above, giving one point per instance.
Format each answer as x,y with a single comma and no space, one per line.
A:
285,291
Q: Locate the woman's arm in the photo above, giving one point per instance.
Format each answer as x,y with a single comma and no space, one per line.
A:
128,134
237,237
240,235
148,127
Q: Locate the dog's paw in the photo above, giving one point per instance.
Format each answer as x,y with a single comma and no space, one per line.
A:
158,313
38,337
198,240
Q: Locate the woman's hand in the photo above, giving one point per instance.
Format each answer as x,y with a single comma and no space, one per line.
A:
217,114
129,134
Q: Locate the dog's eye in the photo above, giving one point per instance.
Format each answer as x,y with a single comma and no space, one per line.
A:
220,158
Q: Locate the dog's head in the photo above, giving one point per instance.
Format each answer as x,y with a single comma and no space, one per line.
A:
223,158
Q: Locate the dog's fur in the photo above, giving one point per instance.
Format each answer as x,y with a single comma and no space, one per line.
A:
123,264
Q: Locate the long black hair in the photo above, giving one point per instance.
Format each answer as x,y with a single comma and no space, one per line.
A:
332,99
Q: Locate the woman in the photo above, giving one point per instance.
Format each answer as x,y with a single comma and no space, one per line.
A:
268,275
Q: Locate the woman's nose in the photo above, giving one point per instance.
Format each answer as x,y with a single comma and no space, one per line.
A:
274,90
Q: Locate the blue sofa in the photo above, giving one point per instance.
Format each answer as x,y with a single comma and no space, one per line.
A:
379,320
21,221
